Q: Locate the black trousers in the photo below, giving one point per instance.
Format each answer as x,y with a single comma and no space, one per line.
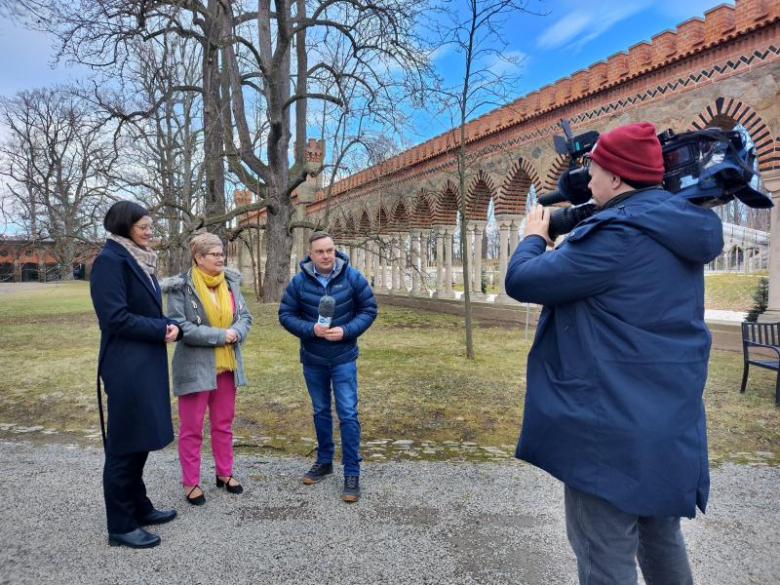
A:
124,491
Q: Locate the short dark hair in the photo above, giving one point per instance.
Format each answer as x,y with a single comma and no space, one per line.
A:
121,217
318,236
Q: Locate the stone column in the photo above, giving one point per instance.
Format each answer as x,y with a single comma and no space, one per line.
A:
380,284
392,262
510,224
446,233
439,261
417,265
476,291
772,183
369,256
358,252
503,259
401,255
514,234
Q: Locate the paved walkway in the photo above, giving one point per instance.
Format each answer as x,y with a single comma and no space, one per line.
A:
418,522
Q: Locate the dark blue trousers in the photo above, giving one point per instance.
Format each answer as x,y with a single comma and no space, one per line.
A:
341,382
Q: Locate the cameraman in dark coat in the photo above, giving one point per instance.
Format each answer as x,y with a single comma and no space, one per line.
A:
329,354
617,369
133,365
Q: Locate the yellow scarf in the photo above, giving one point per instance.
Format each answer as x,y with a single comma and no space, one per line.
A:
219,314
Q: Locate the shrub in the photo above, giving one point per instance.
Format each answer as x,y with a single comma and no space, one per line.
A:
760,300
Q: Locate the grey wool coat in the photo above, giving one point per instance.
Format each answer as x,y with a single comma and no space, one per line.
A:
194,366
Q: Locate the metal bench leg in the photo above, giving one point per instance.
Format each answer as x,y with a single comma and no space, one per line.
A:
777,389
745,378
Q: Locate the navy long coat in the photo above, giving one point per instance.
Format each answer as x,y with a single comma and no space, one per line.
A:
355,311
133,361
617,369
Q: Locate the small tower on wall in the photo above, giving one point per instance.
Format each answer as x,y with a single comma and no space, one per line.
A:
242,197
306,193
236,248
315,154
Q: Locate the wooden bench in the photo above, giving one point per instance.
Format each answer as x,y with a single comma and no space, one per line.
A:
764,339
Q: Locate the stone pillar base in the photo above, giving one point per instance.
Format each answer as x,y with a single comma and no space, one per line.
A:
381,290
769,316
443,295
478,296
399,292
422,294
505,299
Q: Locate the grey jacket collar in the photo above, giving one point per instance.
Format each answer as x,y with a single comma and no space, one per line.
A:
175,283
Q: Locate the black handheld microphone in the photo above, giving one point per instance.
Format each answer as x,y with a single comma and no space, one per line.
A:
326,310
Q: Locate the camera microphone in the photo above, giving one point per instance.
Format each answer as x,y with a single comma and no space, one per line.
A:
326,310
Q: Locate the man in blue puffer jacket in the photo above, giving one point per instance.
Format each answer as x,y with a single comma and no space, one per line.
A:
616,373
329,354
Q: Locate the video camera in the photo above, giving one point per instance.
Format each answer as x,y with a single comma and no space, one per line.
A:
708,167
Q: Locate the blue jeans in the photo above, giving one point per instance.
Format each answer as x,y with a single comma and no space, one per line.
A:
342,378
608,542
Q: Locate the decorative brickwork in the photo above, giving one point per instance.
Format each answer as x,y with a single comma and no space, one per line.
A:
723,69
559,165
513,197
422,211
727,113
445,212
399,216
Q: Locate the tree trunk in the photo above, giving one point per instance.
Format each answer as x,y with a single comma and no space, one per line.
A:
278,247
212,120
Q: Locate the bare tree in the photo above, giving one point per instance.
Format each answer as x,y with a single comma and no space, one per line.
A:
57,161
268,56
374,34
489,74
25,11
163,162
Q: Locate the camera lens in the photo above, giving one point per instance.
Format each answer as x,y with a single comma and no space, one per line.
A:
562,221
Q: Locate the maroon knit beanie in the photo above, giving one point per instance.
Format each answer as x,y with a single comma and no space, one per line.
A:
631,152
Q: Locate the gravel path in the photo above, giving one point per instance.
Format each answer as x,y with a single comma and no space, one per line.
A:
418,522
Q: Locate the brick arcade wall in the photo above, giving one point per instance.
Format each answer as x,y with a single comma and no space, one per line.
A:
723,64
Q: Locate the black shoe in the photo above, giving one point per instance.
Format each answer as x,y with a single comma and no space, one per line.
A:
197,501
138,538
351,491
317,473
233,489
157,517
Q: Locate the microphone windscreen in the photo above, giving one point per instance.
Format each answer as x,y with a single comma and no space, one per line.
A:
327,306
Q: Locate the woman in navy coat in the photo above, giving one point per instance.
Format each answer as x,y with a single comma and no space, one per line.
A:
133,365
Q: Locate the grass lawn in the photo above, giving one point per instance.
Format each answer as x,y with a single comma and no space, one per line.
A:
731,291
414,380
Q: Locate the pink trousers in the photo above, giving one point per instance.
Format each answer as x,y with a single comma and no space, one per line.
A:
221,403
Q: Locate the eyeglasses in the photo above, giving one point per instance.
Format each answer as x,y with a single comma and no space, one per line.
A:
215,254
144,228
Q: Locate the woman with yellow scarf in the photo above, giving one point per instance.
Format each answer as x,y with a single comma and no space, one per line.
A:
207,365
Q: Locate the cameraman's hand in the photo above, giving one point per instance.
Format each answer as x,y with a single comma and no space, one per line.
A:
319,330
537,223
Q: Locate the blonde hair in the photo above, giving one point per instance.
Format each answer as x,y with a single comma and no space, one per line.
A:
202,243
